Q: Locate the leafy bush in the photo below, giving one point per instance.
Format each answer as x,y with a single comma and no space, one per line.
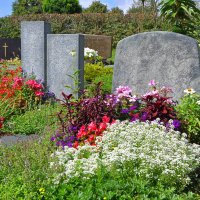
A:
82,111
106,80
146,148
33,121
116,25
188,110
123,184
92,71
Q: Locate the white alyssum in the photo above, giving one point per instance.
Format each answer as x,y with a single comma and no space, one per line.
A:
91,53
152,151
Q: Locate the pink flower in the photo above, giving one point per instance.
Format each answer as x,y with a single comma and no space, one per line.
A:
92,127
152,93
18,82
102,127
105,119
31,83
34,85
39,94
5,79
124,90
152,83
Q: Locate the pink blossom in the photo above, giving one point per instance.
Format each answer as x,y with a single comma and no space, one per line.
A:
152,93
152,83
105,119
39,94
125,90
92,127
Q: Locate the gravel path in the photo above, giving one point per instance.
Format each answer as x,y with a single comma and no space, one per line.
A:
13,139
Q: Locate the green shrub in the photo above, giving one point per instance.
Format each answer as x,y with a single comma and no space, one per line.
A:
106,87
188,110
92,71
33,121
116,25
122,185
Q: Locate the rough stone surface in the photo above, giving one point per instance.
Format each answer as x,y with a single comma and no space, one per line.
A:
33,47
61,64
171,59
100,43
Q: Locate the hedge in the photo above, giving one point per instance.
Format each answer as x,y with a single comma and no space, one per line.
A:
116,25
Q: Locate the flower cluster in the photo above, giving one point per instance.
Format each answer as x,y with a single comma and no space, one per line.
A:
82,111
125,92
90,53
88,134
152,105
11,83
18,93
36,87
121,105
149,149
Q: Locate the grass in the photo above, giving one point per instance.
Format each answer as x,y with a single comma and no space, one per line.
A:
25,168
32,121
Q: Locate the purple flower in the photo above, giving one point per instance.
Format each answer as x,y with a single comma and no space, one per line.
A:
125,111
152,83
132,108
53,139
144,116
176,123
72,129
69,144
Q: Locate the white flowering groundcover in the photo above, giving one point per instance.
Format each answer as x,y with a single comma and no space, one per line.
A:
149,149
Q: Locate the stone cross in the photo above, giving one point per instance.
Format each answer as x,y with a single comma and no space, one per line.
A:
5,49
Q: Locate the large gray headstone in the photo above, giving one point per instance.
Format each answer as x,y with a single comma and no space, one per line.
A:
62,64
33,47
169,58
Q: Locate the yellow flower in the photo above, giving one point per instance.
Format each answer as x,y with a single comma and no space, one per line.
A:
189,91
41,190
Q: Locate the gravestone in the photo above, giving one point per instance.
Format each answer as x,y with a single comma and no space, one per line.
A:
169,58
65,57
33,47
10,48
100,43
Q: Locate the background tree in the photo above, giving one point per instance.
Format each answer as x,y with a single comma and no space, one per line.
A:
61,6
23,7
181,13
140,6
117,10
96,7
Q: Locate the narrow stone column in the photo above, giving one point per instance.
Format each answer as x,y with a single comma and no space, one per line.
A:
34,48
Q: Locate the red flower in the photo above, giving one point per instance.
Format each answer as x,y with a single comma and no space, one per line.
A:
92,127
75,145
102,127
39,94
105,119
